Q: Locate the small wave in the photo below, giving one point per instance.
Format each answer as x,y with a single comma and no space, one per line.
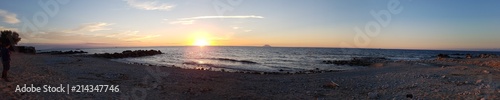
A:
199,64
210,66
234,60
404,58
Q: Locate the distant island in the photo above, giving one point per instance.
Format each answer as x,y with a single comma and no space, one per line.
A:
267,45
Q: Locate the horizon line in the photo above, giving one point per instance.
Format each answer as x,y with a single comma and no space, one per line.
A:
93,47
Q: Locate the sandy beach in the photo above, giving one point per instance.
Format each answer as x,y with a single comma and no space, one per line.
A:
430,79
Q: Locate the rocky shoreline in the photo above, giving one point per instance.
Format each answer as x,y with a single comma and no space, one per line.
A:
449,78
63,52
129,53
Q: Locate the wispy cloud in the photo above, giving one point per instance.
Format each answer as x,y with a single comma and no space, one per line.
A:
149,5
127,36
191,20
222,17
112,37
8,17
183,22
6,28
92,27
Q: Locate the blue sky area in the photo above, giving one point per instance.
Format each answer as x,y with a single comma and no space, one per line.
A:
421,24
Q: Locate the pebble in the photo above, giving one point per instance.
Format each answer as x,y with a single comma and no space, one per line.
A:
479,81
409,95
463,68
377,65
331,84
373,95
486,71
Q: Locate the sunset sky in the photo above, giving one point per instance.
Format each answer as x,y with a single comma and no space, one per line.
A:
421,24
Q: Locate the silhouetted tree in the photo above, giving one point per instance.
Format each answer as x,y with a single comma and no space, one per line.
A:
11,36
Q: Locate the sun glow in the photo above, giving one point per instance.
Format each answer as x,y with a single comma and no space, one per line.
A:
201,42
201,38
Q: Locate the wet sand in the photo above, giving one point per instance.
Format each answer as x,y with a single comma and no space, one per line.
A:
432,79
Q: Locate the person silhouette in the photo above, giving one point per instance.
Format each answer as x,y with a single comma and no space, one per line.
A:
5,47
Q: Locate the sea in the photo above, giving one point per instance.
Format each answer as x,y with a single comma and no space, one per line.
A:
268,59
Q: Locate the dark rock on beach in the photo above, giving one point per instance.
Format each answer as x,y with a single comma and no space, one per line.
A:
129,53
488,56
468,56
63,52
26,49
442,56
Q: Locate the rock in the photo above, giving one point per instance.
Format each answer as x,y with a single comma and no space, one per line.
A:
373,95
331,84
486,71
488,56
26,49
479,81
377,65
442,56
464,68
63,52
409,95
129,53
468,56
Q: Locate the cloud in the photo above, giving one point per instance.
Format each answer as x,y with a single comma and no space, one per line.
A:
191,20
6,28
58,37
86,33
127,36
149,5
122,34
91,27
183,22
9,17
222,17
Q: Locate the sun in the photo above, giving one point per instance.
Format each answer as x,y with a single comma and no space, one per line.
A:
201,42
201,39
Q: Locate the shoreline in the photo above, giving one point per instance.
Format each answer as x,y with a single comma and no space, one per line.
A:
394,80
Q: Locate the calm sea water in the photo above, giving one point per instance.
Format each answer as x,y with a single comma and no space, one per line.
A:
268,59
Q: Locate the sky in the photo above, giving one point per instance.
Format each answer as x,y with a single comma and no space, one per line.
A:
413,24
